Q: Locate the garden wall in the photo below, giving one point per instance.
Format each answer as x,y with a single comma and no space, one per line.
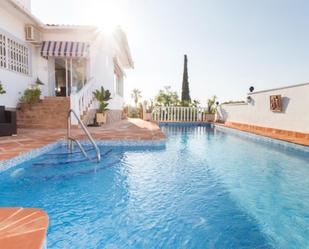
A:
294,115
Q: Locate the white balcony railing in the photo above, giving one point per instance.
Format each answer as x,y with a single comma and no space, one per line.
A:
181,114
83,100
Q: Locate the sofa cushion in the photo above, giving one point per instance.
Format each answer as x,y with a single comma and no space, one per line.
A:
2,114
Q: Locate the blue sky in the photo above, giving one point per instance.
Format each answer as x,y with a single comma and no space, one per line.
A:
231,45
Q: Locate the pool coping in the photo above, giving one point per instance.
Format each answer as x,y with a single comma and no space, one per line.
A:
261,138
14,161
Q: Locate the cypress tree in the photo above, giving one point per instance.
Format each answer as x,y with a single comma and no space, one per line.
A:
185,94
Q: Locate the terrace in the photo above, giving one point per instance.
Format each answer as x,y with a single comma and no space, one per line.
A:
30,139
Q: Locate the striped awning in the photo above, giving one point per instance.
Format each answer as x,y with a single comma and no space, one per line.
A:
64,49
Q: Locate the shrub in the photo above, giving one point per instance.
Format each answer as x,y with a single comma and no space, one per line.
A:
102,96
133,112
31,96
2,91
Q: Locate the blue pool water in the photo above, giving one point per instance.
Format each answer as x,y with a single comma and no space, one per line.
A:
204,189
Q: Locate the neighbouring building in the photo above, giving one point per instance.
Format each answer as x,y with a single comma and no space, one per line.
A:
72,61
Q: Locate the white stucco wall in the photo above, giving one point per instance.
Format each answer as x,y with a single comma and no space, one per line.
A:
294,117
102,70
12,24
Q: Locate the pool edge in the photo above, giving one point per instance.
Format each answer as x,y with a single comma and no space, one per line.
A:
14,161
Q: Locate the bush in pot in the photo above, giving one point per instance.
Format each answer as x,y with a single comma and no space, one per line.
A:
31,96
2,91
102,96
149,106
211,109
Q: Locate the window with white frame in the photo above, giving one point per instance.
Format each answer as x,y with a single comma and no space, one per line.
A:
14,55
119,85
2,51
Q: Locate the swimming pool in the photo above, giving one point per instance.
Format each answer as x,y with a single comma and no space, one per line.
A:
204,189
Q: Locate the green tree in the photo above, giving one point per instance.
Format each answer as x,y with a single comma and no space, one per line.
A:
185,94
136,95
102,96
166,97
211,104
195,103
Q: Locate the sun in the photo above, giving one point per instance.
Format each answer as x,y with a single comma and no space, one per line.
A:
107,15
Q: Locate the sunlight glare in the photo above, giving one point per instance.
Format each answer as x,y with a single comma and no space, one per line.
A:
106,14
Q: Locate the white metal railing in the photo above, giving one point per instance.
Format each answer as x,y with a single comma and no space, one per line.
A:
83,99
71,140
180,114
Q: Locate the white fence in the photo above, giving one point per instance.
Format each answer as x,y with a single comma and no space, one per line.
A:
83,100
181,114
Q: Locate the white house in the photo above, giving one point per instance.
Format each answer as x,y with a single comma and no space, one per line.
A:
71,61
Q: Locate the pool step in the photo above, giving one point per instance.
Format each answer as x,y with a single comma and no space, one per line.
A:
69,161
68,153
78,173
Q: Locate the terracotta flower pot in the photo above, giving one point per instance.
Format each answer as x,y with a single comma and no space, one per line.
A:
101,118
148,116
210,117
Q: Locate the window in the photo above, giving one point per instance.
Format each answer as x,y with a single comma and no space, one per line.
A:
13,55
119,85
2,51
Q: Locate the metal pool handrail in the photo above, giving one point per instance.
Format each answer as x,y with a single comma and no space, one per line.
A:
70,139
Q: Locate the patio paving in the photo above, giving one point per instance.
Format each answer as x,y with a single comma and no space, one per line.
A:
29,139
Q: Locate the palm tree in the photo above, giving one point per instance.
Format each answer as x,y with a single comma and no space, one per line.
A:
211,104
102,96
136,95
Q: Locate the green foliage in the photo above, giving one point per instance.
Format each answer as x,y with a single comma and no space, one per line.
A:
102,96
2,91
185,94
136,95
234,102
149,106
31,96
167,97
133,112
211,105
195,103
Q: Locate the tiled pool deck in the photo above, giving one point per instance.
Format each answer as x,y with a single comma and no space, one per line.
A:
22,228
288,136
30,139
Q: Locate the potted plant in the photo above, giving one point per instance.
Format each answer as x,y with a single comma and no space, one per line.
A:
211,109
2,91
30,97
102,96
148,110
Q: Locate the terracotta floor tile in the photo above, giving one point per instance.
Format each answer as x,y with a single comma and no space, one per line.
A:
289,136
29,139
22,228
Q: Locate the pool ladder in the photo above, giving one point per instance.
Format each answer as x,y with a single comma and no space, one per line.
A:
72,140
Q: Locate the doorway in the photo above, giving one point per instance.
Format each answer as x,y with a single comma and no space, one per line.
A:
70,75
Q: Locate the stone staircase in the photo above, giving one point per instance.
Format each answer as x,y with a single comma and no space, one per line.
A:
51,112
88,116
